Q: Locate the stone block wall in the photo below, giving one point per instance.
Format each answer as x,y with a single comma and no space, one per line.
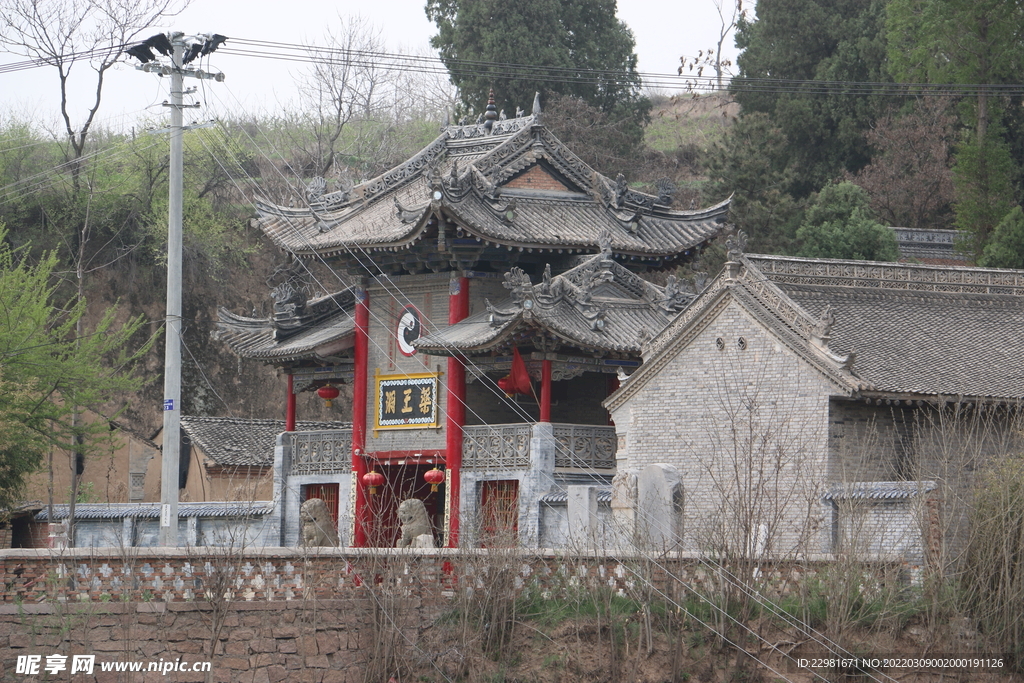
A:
285,615
257,642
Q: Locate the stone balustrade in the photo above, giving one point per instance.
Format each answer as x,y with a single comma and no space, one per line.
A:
507,446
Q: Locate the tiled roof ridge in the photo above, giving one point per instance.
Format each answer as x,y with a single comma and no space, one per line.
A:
837,291
807,335
372,189
879,490
571,307
888,275
152,510
256,421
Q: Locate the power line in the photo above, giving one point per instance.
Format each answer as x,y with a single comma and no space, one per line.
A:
399,295
314,54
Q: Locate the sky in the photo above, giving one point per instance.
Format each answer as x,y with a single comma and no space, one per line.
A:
664,31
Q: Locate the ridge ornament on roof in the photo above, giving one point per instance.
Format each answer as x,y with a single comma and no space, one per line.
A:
907,332
472,179
598,306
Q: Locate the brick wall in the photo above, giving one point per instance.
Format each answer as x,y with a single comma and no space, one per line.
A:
867,442
537,178
287,615
741,423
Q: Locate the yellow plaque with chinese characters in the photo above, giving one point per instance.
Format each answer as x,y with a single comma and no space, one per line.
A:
406,401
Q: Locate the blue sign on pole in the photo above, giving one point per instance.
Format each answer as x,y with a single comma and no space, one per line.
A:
168,404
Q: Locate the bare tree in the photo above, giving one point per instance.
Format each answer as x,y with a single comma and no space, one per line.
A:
712,57
66,34
910,178
347,83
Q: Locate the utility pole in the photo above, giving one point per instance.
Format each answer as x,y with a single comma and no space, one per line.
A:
170,462
171,455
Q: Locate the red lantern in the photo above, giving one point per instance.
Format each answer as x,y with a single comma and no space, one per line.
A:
506,385
328,393
373,480
433,477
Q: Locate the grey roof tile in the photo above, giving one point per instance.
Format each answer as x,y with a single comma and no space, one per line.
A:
239,442
936,343
466,163
918,329
152,510
259,338
597,305
879,490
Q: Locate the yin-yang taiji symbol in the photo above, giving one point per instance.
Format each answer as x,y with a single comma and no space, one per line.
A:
409,330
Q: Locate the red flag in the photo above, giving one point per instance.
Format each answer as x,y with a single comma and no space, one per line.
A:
518,381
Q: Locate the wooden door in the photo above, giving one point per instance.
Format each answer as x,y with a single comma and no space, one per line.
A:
328,493
499,508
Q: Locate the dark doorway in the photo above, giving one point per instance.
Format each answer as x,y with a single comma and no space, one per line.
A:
400,483
499,511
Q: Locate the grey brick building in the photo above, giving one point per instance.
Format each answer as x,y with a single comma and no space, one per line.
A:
808,405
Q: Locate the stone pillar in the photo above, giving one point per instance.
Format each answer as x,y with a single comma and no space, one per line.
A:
128,532
540,479
659,507
282,465
581,508
545,391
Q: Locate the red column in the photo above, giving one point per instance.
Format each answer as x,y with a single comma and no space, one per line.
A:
458,308
545,391
289,412
359,390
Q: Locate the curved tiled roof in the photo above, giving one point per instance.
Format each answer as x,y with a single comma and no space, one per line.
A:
152,510
463,174
915,329
938,343
237,442
597,305
261,338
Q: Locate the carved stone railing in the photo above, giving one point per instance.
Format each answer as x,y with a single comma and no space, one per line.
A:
322,452
507,446
584,446
500,447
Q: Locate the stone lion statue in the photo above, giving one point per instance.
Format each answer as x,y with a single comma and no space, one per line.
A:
416,531
318,527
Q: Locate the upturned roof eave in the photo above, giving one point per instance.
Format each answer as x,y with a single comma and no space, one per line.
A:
244,336
509,328
583,246
444,346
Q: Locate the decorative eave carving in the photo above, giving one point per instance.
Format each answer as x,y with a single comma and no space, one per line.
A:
402,174
897,276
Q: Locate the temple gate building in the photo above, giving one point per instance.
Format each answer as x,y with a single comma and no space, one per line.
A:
492,244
